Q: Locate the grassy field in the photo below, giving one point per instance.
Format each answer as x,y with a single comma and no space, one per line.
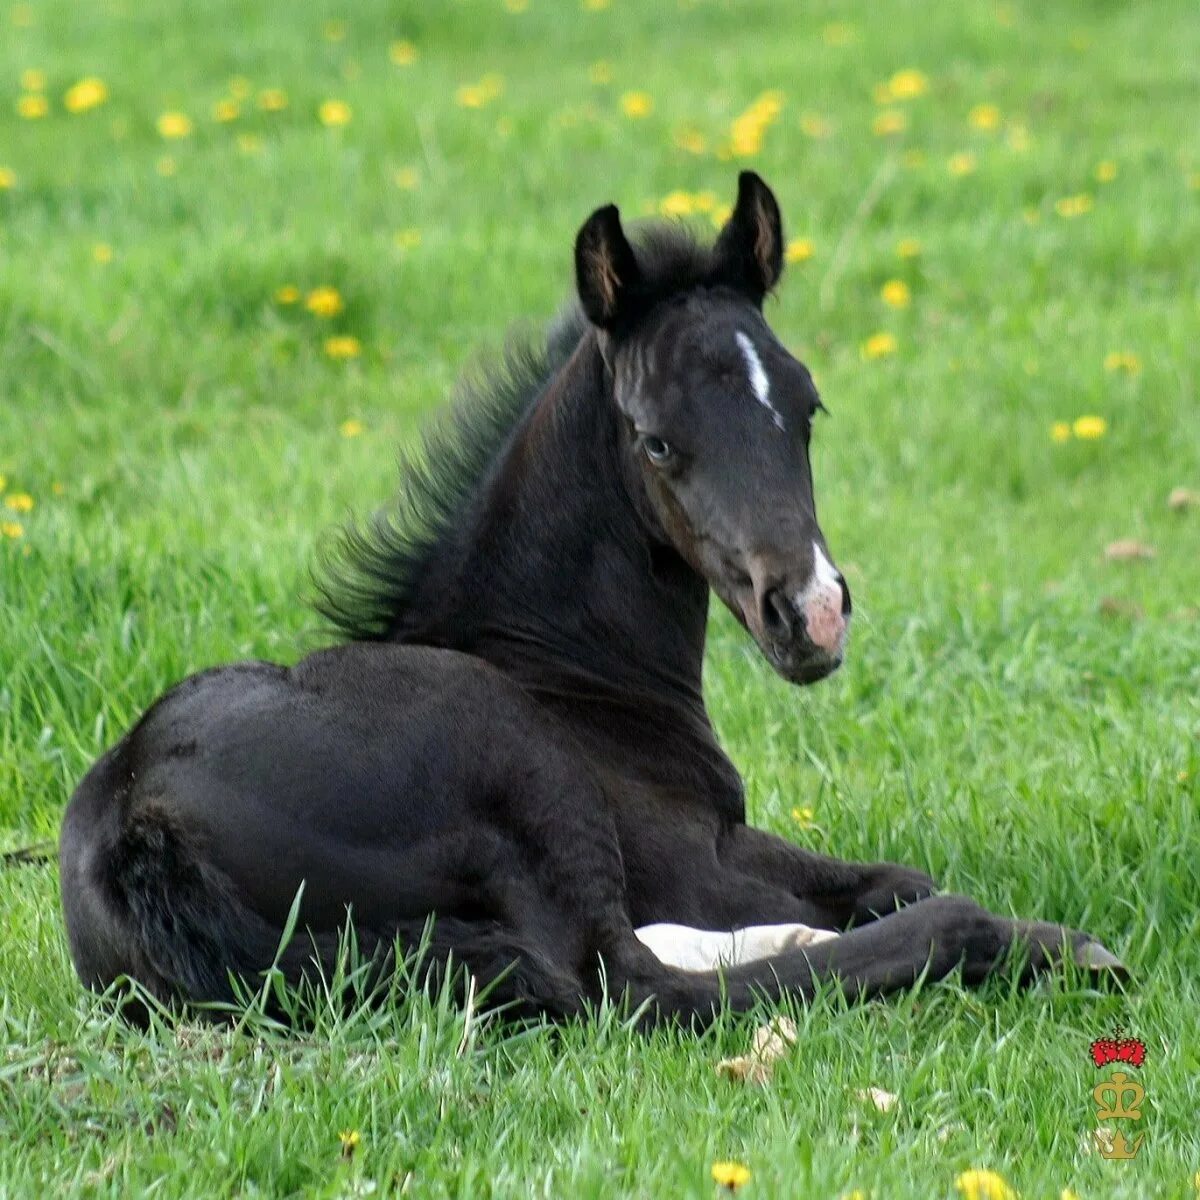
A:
1019,713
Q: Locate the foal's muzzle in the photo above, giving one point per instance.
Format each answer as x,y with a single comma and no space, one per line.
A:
802,630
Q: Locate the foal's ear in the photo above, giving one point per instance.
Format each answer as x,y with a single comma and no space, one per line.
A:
749,249
606,271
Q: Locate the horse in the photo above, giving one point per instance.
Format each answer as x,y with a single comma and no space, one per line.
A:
506,760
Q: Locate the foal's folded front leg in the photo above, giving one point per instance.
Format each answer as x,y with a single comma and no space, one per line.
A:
849,893
931,938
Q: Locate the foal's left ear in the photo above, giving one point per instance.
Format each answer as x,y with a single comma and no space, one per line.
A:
607,274
749,249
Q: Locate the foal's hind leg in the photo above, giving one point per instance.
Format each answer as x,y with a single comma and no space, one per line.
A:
848,893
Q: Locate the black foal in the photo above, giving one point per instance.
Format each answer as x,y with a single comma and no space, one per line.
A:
514,739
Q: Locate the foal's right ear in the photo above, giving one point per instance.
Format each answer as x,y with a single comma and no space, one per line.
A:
606,271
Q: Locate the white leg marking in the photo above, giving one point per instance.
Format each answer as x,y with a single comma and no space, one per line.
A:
707,949
759,383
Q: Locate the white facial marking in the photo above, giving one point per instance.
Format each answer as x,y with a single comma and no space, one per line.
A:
824,572
820,602
759,382
707,949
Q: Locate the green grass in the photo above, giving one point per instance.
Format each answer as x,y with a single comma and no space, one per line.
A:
1017,715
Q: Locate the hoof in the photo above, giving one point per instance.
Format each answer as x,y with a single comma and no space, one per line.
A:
1092,956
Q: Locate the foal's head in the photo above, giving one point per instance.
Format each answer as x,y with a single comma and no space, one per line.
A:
718,417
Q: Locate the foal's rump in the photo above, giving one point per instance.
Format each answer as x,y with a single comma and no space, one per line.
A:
184,847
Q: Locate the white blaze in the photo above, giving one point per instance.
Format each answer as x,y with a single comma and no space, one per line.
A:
759,383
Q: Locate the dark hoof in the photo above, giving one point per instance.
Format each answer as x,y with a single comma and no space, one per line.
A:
1092,956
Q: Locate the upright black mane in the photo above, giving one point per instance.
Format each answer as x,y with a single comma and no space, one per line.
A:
367,576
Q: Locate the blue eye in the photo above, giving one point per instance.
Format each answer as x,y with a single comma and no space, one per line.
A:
657,451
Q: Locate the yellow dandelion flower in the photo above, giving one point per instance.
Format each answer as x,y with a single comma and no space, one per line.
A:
731,1175
102,253
600,72
838,33
33,80
984,1185
814,125
174,125
85,95
12,529
8,178
240,87
272,100
403,53
677,204
350,1140
705,202
1074,206
21,502
595,5
352,428
720,214
334,31
880,344
637,104
249,143
3,483
324,301
166,166
288,293
1018,138
908,84
889,122
799,250
407,239
406,178
909,247
1060,431
691,140
226,111
984,116
746,143
516,6
1088,429
1106,171
334,113
896,294
343,346
962,163
802,816
1068,1194
1122,360
32,106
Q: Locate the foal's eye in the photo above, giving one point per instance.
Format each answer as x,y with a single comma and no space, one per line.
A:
657,451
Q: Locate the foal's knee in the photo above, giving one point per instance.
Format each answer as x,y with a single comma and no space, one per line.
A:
889,887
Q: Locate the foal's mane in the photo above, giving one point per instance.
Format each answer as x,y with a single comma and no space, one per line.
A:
368,575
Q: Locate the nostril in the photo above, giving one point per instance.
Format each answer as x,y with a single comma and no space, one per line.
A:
847,607
778,615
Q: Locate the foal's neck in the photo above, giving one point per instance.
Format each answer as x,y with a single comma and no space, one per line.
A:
580,595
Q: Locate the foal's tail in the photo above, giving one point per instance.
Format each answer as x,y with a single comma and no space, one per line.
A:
142,902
